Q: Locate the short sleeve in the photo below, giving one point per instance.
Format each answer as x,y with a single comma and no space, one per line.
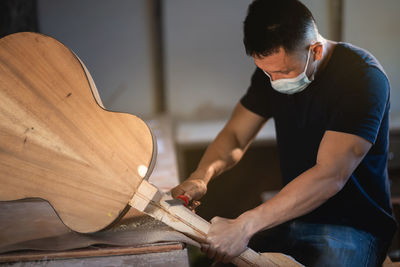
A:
257,97
361,104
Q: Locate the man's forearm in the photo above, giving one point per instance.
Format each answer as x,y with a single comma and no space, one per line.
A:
302,195
338,156
222,154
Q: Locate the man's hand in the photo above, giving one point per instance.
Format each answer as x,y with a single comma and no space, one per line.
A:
193,188
226,239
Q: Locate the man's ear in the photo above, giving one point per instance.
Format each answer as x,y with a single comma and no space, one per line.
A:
317,50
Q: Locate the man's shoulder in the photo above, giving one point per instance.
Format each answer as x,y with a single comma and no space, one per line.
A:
354,67
356,59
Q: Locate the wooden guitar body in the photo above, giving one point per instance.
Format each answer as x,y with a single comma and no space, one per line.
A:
56,141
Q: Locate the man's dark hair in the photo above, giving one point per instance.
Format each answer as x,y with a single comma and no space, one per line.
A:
271,24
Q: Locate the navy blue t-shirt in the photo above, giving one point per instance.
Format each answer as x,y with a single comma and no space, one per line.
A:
350,95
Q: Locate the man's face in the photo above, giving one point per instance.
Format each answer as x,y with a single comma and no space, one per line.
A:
282,65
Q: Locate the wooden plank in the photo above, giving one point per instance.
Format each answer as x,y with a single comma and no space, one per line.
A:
165,174
89,252
153,202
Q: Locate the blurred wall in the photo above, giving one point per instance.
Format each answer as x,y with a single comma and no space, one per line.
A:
207,68
375,26
111,38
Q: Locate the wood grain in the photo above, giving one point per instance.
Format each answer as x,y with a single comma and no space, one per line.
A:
153,202
89,252
57,143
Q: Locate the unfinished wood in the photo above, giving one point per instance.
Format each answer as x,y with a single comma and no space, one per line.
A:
93,87
152,201
58,144
165,174
174,258
88,252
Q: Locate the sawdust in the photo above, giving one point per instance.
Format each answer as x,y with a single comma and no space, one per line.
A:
141,222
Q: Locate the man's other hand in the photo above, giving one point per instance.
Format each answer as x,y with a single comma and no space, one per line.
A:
226,239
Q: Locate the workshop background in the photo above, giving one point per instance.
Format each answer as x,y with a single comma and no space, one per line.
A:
186,60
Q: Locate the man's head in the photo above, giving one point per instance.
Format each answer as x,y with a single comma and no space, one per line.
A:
278,34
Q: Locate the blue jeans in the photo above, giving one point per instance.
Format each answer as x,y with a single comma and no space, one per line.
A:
322,244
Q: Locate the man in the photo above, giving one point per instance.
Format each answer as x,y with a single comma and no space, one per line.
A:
330,103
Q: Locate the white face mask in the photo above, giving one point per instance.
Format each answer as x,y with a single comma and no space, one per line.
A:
292,85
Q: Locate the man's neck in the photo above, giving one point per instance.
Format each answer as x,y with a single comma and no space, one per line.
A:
328,47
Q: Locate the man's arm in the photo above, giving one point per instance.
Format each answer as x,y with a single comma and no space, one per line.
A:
223,153
338,156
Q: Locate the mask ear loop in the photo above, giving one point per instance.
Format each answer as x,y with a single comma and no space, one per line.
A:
315,68
266,73
308,60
